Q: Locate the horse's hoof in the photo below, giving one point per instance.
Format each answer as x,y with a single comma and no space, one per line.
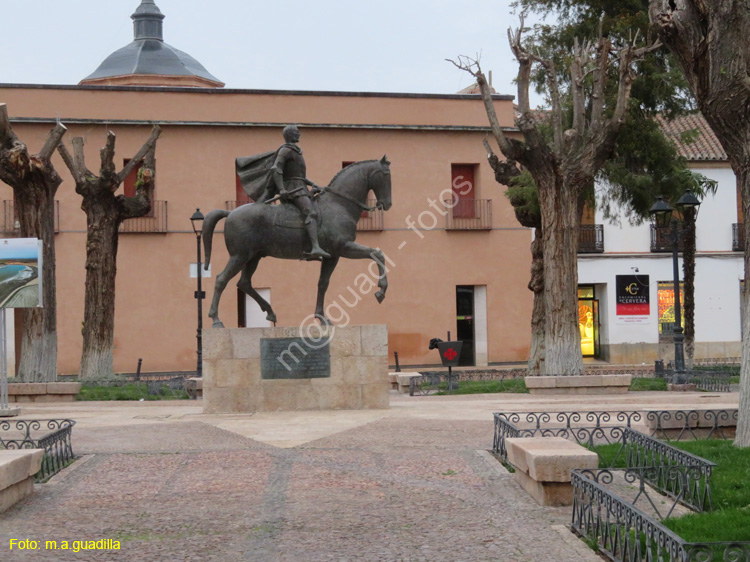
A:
218,324
271,317
380,295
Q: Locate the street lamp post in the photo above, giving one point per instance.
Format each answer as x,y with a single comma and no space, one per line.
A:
197,221
662,215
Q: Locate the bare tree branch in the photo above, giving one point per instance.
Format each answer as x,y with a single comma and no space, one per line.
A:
55,136
107,157
138,158
79,159
68,159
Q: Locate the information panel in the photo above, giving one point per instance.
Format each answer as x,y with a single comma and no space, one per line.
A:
294,358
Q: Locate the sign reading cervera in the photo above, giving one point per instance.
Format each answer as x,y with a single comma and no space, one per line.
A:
20,273
632,299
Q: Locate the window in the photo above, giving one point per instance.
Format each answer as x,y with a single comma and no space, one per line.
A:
464,190
667,318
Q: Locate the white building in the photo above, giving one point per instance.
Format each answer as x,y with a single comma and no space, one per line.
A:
639,259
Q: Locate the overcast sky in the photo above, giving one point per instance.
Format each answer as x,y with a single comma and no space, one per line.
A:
382,46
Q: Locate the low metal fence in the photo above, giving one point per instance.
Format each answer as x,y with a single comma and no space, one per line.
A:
54,436
624,533
433,382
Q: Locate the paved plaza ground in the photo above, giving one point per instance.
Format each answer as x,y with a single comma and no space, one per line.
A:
411,483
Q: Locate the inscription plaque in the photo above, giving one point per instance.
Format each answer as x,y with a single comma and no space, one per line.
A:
294,358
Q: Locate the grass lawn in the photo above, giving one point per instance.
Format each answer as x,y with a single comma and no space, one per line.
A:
730,489
643,384
481,387
129,391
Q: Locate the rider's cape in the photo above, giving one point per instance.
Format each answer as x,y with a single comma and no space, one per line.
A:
256,175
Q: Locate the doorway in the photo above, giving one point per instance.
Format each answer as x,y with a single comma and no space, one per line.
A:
588,321
465,323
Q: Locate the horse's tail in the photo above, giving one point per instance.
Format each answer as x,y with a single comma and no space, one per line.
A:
209,223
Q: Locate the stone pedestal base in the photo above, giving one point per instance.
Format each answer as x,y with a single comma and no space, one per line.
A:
9,412
235,362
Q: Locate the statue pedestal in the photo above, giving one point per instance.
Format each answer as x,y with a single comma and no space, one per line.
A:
276,369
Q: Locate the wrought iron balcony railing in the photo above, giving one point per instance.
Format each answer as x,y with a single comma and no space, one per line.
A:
661,239
591,239
738,237
12,227
156,221
370,220
468,214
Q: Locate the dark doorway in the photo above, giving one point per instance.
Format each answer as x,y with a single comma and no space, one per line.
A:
465,323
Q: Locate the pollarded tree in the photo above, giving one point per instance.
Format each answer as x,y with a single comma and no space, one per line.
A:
35,181
105,211
711,44
564,167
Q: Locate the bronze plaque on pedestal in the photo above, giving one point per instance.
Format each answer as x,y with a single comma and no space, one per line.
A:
294,358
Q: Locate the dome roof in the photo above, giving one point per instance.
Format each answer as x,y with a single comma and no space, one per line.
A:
148,60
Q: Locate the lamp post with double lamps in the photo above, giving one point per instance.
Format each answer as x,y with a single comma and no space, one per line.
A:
662,216
197,221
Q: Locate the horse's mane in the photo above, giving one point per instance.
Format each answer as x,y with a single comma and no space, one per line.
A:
350,168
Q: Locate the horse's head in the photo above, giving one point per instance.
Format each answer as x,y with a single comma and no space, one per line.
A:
380,183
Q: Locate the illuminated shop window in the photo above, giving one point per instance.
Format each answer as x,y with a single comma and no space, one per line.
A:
666,308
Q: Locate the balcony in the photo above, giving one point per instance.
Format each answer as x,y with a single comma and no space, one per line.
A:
369,221
154,222
661,240
738,237
591,239
468,214
10,225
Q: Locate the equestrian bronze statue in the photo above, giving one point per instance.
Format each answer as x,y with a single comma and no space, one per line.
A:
321,224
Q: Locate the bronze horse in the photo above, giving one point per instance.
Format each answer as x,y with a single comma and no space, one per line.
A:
256,231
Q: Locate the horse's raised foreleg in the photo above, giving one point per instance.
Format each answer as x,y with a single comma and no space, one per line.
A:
354,251
235,264
246,284
326,270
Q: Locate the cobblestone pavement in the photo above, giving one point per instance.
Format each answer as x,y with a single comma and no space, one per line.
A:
394,489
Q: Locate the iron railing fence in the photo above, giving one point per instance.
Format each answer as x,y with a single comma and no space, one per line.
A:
624,533
738,237
54,436
591,239
468,214
676,425
661,239
676,473
154,222
706,378
11,225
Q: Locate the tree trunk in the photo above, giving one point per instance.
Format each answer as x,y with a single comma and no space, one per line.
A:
742,438
105,211
101,270
35,181
688,268
536,353
36,214
558,201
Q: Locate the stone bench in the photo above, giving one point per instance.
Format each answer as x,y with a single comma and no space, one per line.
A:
194,387
579,384
543,466
403,380
17,470
43,391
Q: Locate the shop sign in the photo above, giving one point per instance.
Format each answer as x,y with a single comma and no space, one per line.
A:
633,305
